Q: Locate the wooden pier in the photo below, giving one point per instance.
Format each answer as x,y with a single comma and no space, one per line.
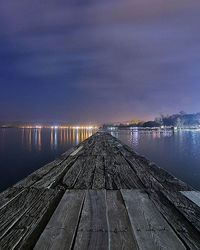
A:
100,195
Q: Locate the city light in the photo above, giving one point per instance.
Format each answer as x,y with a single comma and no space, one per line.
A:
77,127
38,127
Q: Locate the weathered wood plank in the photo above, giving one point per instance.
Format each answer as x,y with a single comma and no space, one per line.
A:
9,194
93,228
31,179
155,181
38,174
77,151
71,176
159,177
113,166
150,228
139,162
112,175
74,177
177,220
120,231
23,219
99,174
85,178
128,177
97,163
185,206
52,178
194,196
60,231
9,215
41,172
120,170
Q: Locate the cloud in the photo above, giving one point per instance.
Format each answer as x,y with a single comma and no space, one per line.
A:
124,57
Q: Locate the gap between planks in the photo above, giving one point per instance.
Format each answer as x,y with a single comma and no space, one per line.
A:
107,220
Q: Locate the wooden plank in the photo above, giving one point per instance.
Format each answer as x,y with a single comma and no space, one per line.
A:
71,176
23,219
67,153
120,231
153,181
194,196
157,177
85,178
9,215
139,163
112,175
38,174
93,228
184,229
8,195
185,206
60,231
99,174
52,178
41,172
31,179
128,177
77,150
114,179
150,228
108,161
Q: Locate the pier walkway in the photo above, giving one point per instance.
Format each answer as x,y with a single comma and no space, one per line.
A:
100,195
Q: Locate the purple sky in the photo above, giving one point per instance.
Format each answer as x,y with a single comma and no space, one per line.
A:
97,61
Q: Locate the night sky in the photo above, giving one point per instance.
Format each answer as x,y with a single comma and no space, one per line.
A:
97,61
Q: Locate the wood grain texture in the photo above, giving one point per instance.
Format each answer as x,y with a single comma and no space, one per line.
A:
120,231
185,206
128,178
23,220
93,228
150,228
113,214
8,195
31,179
60,231
86,175
53,177
194,196
112,175
71,176
43,171
184,229
158,177
99,173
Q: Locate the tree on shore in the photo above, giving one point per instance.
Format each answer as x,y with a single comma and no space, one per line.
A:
179,120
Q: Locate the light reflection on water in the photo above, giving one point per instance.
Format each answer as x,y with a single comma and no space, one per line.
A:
32,138
22,151
178,153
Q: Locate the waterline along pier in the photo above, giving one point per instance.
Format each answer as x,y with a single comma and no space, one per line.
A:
100,195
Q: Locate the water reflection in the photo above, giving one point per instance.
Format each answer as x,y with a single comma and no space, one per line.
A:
32,138
178,153
135,136
22,151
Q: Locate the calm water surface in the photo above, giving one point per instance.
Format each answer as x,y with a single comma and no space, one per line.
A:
24,150
178,153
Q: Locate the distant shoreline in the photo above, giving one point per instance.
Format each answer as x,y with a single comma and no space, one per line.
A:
108,128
